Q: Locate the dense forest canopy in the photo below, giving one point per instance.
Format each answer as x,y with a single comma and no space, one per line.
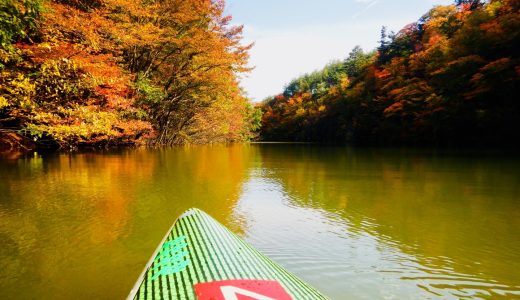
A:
451,78
109,72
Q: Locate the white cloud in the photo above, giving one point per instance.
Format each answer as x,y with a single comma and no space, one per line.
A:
279,57
284,51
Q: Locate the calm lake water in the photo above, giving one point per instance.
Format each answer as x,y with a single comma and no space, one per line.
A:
354,223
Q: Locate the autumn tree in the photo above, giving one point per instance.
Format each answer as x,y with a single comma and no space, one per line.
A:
188,51
112,72
451,78
471,4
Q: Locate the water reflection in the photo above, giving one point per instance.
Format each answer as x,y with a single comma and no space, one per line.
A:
357,224
446,222
84,225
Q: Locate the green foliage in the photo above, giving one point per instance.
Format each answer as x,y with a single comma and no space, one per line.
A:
149,94
122,72
317,82
187,59
60,82
18,20
402,44
253,121
451,78
356,62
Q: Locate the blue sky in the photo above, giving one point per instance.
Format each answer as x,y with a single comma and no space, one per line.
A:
293,37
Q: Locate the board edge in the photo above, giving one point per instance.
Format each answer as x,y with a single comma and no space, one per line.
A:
137,285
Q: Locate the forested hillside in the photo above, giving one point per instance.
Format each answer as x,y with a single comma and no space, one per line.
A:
99,73
451,78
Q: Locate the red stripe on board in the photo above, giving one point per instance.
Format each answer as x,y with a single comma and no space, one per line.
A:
241,290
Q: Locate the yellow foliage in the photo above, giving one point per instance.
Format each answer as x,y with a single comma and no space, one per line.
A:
344,83
75,84
3,102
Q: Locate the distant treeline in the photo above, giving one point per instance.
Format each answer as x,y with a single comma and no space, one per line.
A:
98,73
451,78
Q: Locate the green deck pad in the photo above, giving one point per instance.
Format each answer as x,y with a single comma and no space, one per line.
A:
198,249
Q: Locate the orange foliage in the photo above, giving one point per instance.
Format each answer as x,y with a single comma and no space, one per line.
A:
186,50
452,77
382,73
